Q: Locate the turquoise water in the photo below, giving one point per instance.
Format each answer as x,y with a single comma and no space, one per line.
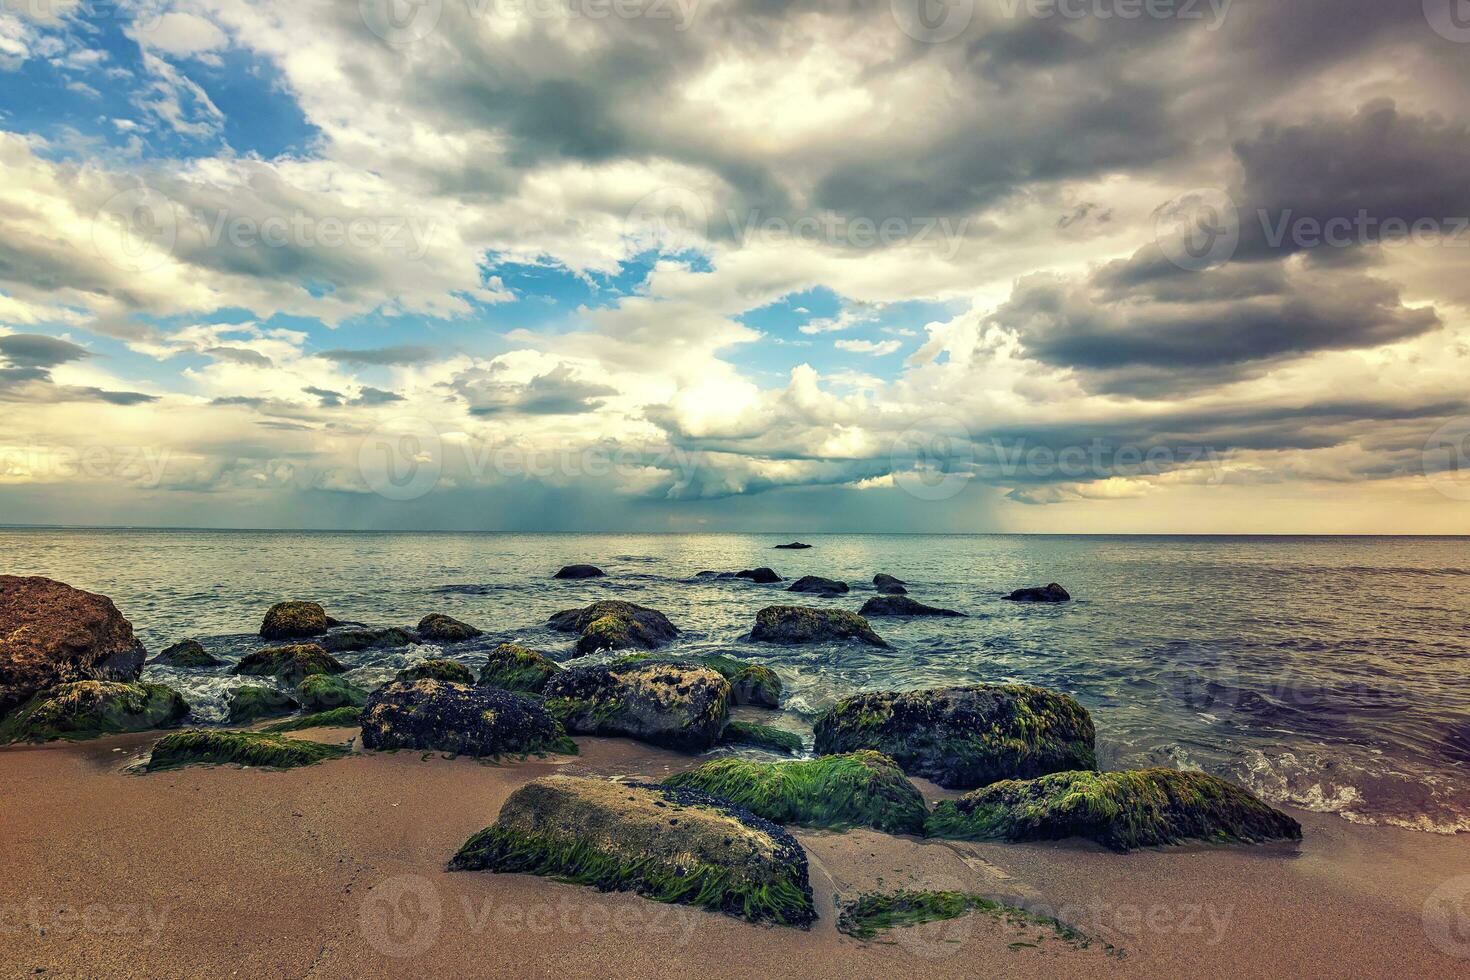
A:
1326,673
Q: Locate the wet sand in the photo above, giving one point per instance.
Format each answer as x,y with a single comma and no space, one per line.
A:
337,870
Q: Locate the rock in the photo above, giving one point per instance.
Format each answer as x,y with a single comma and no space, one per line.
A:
289,663
761,737
793,546
964,737
517,668
294,620
252,703
457,718
750,684
888,585
799,624
615,625
666,844
437,669
353,640
323,692
579,571
53,634
89,709
438,628
199,747
1047,593
347,717
189,654
1120,810
902,605
675,705
761,576
863,789
817,584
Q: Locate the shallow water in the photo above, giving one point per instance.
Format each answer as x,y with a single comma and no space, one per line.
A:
1328,673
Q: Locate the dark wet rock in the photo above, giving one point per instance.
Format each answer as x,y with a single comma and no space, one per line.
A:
761,576
1120,810
189,654
254,749
354,640
458,718
51,634
761,737
294,621
323,692
579,571
438,628
888,585
750,684
902,605
437,669
1045,593
793,546
615,625
667,844
289,663
675,705
818,585
252,702
89,709
516,668
800,624
964,737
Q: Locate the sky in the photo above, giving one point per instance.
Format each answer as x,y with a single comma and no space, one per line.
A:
1135,266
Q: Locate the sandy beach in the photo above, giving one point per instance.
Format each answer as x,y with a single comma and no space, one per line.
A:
337,870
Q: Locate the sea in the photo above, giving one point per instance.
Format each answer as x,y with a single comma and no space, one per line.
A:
1326,673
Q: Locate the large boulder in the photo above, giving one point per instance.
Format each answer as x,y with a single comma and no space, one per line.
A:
964,737
615,625
517,668
437,669
888,585
253,702
294,621
676,705
751,684
579,571
366,638
52,634
89,709
800,624
1120,810
1044,593
289,663
187,654
817,585
666,844
324,692
457,718
901,605
438,628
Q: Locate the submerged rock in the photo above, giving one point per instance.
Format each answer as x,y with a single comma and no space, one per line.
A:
294,621
352,640
89,709
676,705
457,718
323,692
268,751
438,628
51,634
1120,810
289,663
517,668
964,737
863,789
817,584
1045,593
761,737
579,571
793,546
615,625
800,624
189,654
437,669
888,585
662,843
761,576
902,605
252,703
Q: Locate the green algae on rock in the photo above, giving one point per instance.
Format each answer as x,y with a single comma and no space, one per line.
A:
366,638
438,628
336,718
802,624
209,747
964,737
294,621
516,668
750,684
253,702
761,737
871,913
89,709
1120,810
187,654
860,789
291,663
484,722
615,625
666,844
437,669
671,704
323,692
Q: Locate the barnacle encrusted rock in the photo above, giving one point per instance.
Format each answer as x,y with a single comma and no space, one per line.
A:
294,620
457,718
438,669
615,625
89,709
676,705
801,624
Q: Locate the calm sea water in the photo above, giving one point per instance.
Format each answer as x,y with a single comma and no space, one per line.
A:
1327,673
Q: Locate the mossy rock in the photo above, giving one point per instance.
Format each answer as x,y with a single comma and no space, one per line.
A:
674,705
964,737
750,684
90,709
513,667
761,737
615,625
189,655
666,844
336,718
289,663
252,703
437,669
216,748
438,628
861,789
876,911
484,722
1120,810
902,605
353,640
801,624
294,620
323,692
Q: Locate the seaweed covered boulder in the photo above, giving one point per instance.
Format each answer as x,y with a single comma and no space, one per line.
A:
901,605
187,654
366,638
517,668
289,663
51,633
457,718
345,717
294,621
323,692
859,789
438,628
666,844
579,571
1044,593
801,624
214,748
750,684
888,585
437,669
964,737
253,702
818,585
751,735
89,709
615,625
675,705
1120,810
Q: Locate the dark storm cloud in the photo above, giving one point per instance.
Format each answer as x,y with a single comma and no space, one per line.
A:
558,392
26,361
403,354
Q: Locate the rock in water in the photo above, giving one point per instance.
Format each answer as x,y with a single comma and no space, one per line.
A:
750,684
817,584
902,605
761,737
438,628
324,692
799,624
52,634
289,663
457,718
676,705
761,576
860,789
89,709
189,654
253,702
964,737
666,844
1045,593
1120,810
293,621
437,669
352,640
615,625
793,546
888,585
517,668
579,571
